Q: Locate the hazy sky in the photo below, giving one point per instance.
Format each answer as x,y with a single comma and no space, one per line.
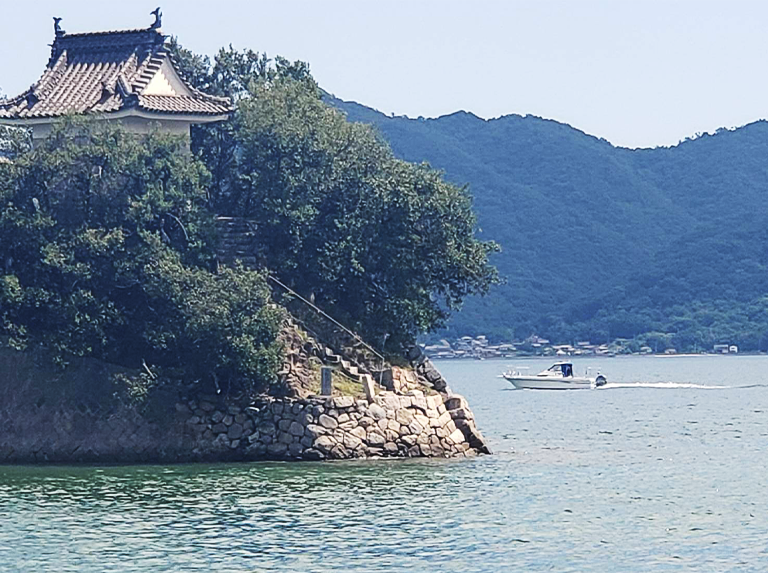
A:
638,73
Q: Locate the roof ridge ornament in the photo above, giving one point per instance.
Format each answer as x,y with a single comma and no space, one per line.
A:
57,27
158,14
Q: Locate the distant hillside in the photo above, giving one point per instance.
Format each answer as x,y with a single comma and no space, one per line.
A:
602,242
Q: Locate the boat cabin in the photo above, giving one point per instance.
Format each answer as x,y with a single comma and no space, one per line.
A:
128,76
564,369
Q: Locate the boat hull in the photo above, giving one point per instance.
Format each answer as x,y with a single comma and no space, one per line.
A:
547,383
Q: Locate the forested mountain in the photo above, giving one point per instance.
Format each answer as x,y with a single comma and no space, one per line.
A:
600,242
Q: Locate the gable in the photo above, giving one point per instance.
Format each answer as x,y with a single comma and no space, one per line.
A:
166,82
121,72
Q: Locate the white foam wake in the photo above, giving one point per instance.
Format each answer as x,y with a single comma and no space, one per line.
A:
662,385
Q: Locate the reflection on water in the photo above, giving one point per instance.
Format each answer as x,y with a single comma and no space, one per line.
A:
631,479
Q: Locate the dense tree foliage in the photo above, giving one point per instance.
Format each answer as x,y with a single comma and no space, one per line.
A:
108,242
107,252
13,141
601,242
386,246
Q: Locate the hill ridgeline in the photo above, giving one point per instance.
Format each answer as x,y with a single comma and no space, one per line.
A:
601,242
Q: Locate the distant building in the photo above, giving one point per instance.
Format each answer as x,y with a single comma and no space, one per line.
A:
733,349
720,349
125,76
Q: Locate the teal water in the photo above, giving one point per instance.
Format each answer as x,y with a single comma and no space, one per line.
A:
662,470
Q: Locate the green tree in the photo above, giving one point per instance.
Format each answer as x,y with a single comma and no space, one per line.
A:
229,75
386,246
13,140
107,251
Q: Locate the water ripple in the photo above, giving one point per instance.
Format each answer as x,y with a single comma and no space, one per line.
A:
591,481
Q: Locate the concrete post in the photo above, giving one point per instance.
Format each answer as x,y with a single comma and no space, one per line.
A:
326,381
368,388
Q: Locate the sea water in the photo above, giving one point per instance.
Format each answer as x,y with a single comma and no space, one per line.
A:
664,469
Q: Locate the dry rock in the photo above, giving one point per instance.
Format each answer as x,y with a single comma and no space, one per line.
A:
327,421
235,431
314,431
324,444
339,452
352,442
277,449
456,437
343,402
391,435
377,412
404,416
375,439
415,427
358,432
296,429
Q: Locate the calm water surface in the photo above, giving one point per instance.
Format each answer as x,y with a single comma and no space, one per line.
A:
663,470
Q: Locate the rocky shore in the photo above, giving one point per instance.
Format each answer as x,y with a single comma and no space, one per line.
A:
72,416
341,427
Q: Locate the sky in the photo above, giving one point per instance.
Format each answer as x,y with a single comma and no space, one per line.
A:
639,73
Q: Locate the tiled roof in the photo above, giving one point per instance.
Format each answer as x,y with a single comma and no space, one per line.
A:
105,72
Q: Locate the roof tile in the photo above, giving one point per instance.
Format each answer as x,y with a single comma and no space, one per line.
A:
105,72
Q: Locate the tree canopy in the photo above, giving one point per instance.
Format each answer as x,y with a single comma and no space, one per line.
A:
109,247
386,246
107,252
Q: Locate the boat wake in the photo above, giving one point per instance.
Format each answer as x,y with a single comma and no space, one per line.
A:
662,386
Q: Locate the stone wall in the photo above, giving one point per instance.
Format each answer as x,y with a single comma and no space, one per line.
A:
69,416
410,425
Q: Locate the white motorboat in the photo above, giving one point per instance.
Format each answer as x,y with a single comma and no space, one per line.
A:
559,376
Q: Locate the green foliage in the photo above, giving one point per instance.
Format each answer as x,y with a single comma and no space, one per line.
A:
602,242
385,246
108,248
231,74
107,245
13,142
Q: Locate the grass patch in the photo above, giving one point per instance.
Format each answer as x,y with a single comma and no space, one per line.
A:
343,385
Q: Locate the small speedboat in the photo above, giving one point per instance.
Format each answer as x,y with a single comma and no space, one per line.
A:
559,376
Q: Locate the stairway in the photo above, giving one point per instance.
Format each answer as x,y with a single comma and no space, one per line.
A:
236,241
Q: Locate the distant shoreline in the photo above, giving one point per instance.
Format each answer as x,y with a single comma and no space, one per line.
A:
598,357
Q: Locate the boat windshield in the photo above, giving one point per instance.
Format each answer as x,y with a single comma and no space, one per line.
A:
565,370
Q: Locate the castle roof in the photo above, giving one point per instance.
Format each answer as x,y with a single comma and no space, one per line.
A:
117,73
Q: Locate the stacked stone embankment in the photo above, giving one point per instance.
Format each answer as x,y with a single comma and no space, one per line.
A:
341,427
72,416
